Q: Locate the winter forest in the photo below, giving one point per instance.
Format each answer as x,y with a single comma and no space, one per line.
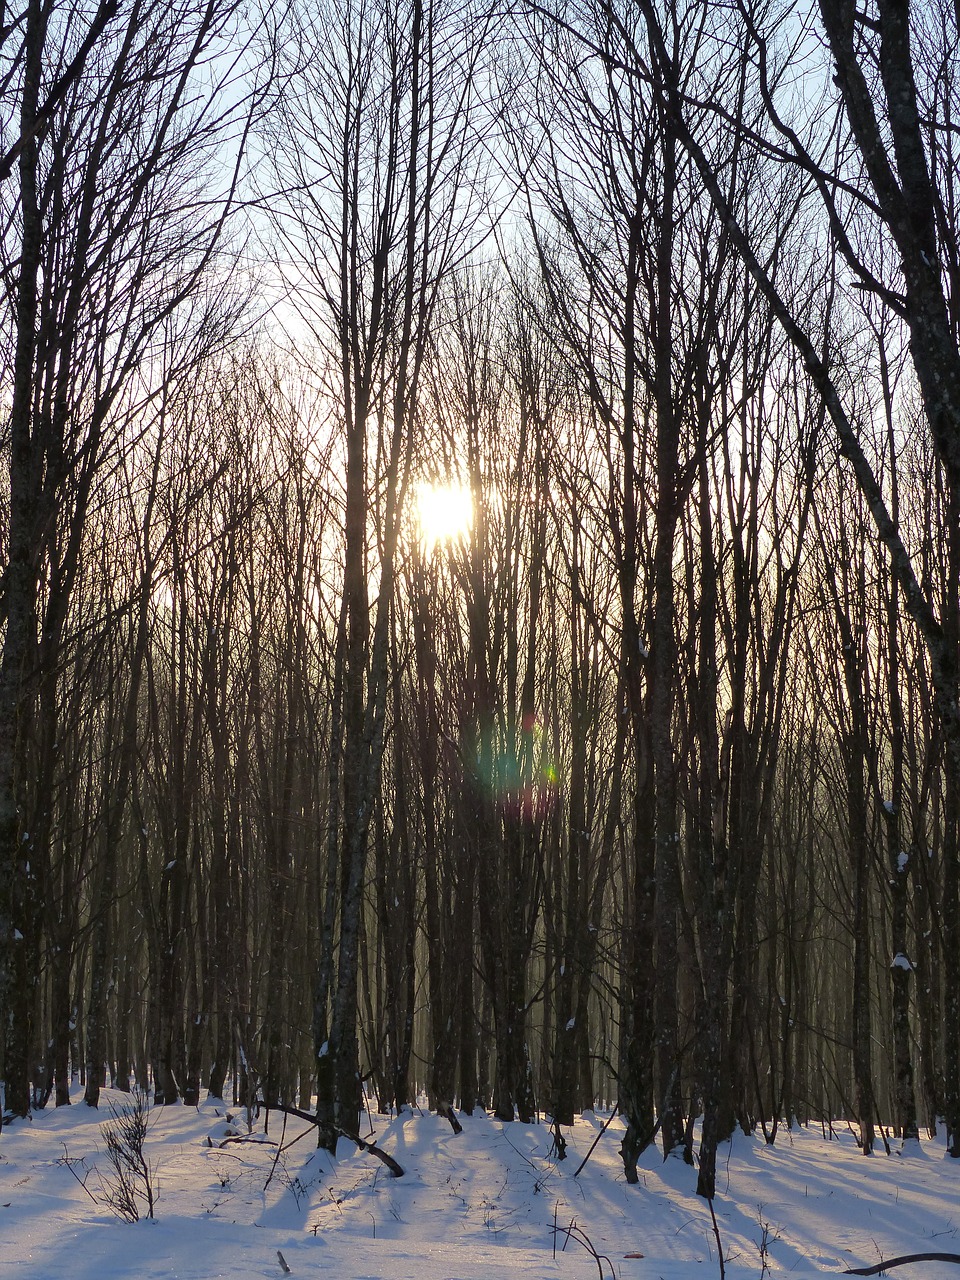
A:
480,560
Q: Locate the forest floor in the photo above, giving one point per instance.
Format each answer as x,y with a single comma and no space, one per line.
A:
486,1204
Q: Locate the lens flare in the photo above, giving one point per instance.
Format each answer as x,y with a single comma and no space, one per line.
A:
520,776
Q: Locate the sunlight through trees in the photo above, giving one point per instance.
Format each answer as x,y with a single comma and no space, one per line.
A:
480,550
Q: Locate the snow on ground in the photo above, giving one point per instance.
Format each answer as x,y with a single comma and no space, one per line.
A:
480,1205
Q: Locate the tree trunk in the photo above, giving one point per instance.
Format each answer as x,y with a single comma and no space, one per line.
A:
17,664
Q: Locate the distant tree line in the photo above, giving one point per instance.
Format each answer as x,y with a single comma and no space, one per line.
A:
643,790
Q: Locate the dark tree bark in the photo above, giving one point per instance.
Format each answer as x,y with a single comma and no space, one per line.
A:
18,904
892,807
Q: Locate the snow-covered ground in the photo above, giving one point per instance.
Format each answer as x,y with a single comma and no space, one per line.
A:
481,1205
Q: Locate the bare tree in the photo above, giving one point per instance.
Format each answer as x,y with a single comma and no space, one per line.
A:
886,184
373,211
110,233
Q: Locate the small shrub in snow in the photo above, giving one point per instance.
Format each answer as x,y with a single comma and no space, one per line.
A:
132,1185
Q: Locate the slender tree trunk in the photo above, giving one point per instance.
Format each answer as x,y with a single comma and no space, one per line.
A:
663,664
950,908
855,752
637,1036
17,905
709,837
901,966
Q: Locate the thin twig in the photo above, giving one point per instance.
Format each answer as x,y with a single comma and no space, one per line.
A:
716,1232
276,1158
606,1125
68,1163
573,1232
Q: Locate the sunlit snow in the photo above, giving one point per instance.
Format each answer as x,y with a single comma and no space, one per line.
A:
486,1204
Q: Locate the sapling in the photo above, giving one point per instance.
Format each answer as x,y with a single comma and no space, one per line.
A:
132,1184
768,1236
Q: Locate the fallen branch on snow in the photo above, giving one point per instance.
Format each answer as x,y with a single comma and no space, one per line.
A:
444,1109
395,1168
899,1262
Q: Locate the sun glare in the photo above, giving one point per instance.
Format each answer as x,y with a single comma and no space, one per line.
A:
444,512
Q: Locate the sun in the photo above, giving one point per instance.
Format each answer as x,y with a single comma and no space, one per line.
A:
444,513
